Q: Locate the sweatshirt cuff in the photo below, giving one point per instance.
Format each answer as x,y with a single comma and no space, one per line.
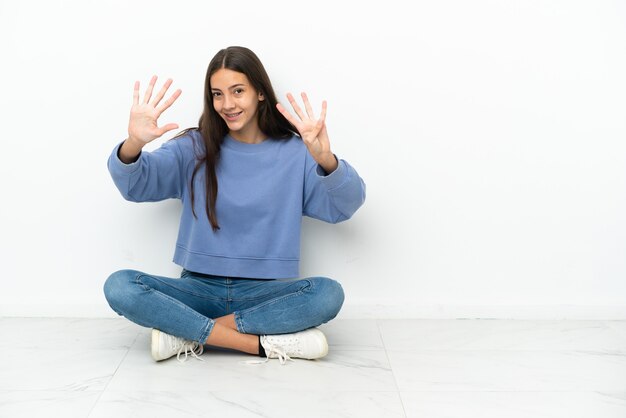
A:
336,178
117,165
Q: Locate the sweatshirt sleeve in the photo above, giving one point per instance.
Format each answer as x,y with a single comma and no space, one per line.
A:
155,176
334,197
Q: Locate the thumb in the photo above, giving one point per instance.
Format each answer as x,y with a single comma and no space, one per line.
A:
167,128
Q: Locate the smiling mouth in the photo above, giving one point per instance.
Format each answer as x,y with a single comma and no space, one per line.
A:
232,115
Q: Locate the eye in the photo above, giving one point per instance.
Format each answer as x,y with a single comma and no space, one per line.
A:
238,90
216,94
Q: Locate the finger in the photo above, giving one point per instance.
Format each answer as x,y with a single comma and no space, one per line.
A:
146,98
295,106
136,93
169,102
286,114
323,115
307,105
162,92
323,132
167,128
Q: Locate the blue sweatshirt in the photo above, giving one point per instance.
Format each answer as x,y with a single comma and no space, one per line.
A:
263,191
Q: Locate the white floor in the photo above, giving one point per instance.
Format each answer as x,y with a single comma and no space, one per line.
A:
387,368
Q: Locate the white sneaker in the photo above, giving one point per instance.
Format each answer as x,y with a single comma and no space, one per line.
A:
309,344
165,346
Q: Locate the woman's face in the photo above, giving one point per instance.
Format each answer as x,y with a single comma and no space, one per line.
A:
236,101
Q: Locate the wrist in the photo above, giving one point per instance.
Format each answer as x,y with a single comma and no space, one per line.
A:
134,142
329,163
130,150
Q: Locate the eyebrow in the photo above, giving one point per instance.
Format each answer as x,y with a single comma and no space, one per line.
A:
231,87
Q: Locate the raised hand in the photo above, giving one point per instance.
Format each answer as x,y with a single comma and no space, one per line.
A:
143,127
312,131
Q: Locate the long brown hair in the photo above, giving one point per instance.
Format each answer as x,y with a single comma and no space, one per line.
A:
213,129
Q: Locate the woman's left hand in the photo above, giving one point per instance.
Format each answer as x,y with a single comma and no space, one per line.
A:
312,131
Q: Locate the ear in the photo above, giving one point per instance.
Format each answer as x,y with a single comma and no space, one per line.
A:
261,97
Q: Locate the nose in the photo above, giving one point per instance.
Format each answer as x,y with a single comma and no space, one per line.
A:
228,102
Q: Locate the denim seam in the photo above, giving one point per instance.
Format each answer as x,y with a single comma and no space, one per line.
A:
229,285
208,328
239,323
198,295
207,331
238,315
265,295
273,301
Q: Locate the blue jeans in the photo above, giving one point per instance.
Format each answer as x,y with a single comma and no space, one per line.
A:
186,306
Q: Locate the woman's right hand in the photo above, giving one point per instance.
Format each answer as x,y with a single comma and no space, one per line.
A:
142,127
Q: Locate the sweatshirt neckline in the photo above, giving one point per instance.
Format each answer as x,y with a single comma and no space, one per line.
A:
232,143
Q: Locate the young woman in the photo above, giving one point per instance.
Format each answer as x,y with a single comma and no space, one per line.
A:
245,177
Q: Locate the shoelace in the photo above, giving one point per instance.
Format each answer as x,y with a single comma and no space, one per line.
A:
192,348
283,357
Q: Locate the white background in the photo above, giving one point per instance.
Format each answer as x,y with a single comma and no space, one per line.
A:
491,136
